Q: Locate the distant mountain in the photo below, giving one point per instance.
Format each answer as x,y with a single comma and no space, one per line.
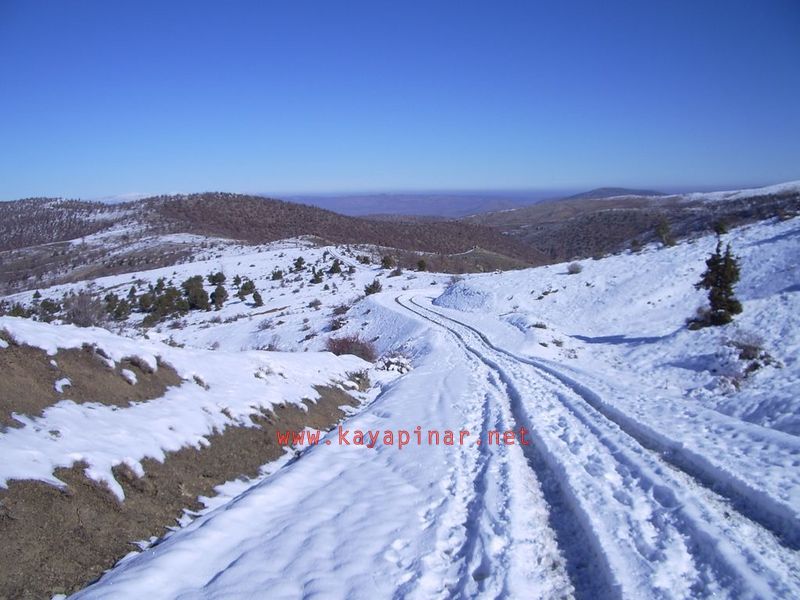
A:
612,192
56,240
420,204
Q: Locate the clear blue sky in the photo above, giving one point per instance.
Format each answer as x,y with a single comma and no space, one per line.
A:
110,97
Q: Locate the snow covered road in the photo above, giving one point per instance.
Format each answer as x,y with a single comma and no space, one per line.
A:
353,522
654,529
591,507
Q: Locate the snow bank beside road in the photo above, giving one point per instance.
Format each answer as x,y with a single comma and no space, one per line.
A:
624,317
461,295
221,389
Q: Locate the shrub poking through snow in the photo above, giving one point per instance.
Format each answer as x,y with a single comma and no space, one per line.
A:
122,311
352,344
47,309
336,267
337,323
387,262
168,303
373,288
722,272
340,310
195,294
277,275
396,272
664,232
84,310
217,278
738,358
257,299
315,303
422,265
574,268
395,362
247,288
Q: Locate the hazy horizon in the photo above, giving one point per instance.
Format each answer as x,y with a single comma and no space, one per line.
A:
535,193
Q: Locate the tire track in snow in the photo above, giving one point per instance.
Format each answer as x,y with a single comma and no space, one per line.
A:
586,565
446,569
730,564
484,557
754,505
480,541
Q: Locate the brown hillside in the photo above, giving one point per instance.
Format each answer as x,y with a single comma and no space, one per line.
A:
257,220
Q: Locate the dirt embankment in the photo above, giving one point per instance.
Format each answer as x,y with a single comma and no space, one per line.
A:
29,375
58,541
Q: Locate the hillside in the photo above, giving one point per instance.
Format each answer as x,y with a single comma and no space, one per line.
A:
258,220
660,461
440,205
50,240
602,222
612,192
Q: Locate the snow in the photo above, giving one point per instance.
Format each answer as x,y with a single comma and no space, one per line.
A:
465,297
107,436
658,464
129,376
61,384
781,188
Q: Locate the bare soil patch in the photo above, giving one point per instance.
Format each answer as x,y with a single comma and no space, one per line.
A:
58,541
28,382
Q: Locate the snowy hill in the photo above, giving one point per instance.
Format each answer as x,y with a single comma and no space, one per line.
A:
598,448
46,241
605,222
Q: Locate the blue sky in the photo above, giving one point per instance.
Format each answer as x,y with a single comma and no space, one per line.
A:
101,98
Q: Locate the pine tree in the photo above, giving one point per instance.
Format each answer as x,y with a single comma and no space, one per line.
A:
248,287
664,232
217,278
722,272
146,302
122,310
218,296
197,298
